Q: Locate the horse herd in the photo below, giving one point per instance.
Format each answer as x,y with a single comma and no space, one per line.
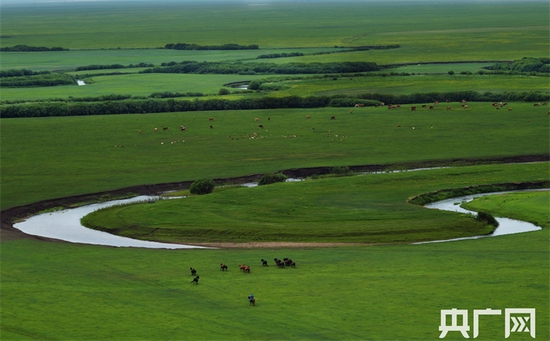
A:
285,262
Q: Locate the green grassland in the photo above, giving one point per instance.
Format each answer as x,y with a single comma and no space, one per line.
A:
52,157
397,85
64,291
345,293
130,84
146,84
441,32
530,206
362,209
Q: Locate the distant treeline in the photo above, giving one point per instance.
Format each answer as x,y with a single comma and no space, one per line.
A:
262,68
46,79
523,65
21,72
471,96
112,97
280,55
25,48
113,66
134,106
184,46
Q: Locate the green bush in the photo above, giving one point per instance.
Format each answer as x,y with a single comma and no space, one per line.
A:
340,170
223,91
271,178
254,85
203,186
487,217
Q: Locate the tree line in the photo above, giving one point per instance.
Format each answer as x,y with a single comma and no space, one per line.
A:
47,79
113,66
523,65
153,105
21,72
262,68
25,48
184,46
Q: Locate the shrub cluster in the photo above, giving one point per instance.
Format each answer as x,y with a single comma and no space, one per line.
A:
46,79
25,48
262,68
523,65
202,186
73,107
271,178
487,218
280,55
21,72
113,66
184,46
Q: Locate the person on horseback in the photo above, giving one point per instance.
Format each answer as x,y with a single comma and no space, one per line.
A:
251,299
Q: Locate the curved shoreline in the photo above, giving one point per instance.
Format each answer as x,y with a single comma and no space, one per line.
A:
10,216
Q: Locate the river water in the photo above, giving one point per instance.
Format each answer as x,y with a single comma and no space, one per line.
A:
65,225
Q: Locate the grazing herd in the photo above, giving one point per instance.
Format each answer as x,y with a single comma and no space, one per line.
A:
284,263
263,129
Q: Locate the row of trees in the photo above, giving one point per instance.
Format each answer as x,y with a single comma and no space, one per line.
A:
21,72
48,79
184,46
42,109
25,48
523,65
113,66
262,68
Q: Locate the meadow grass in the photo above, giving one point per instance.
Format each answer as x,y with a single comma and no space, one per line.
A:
529,206
54,157
337,293
76,292
427,31
397,85
363,209
146,84
69,60
131,84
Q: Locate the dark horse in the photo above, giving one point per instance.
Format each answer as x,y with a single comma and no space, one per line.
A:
195,280
223,267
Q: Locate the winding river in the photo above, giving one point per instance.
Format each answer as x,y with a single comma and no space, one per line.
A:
65,225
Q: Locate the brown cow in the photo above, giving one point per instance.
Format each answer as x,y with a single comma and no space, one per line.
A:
223,267
211,119
333,117
536,104
182,128
141,131
431,107
448,107
413,108
308,116
256,120
509,109
465,106
359,105
165,128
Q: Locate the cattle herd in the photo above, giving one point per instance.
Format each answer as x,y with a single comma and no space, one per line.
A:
262,127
